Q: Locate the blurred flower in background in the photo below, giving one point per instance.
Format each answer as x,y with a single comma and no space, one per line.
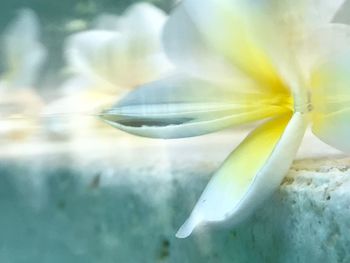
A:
105,62
24,56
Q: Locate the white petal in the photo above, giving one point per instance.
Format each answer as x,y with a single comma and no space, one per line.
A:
87,53
139,19
334,129
250,174
323,43
128,56
140,22
182,107
24,53
260,38
331,95
188,49
142,25
143,20
230,32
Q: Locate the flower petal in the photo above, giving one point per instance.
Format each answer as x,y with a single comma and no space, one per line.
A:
86,53
260,38
182,107
323,43
128,56
188,49
140,19
331,99
23,52
113,59
143,21
250,174
229,32
284,26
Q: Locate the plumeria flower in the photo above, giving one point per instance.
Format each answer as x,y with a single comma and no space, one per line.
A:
241,61
119,53
24,56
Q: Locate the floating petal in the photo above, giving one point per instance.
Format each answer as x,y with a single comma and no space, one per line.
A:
250,174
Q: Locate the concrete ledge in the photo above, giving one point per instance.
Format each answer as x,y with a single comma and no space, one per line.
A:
121,200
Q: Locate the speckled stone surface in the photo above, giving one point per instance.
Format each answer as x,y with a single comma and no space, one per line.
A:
122,200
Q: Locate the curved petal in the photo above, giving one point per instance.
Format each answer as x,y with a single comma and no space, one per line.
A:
284,26
141,25
125,54
229,32
250,174
23,51
114,60
334,129
183,107
259,38
140,19
331,100
143,21
187,48
86,53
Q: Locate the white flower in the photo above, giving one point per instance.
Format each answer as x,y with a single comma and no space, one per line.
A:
24,56
241,61
120,53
